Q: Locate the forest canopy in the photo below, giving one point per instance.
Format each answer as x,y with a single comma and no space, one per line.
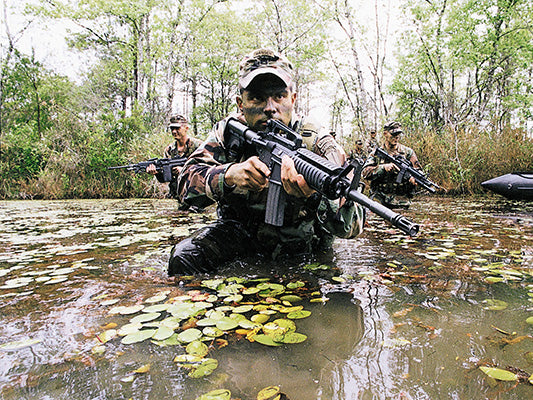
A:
456,73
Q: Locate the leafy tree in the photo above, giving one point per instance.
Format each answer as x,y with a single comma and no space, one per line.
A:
466,62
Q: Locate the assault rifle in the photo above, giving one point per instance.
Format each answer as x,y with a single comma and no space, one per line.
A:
407,170
320,174
162,165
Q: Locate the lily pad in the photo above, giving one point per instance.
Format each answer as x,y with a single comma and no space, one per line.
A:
212,331
266,340
290,338
206,367
268,393
129,329
107,335
299,314
187,360
139,336
499,374
156,308
131,309
495,305
219,394
243,309
227,324
291,298
19,344
162,333
145,318
197,348
189,335
157,298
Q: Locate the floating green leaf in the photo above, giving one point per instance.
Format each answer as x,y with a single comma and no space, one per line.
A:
243,309
495,305
499,374
187,360
290,338
212,331
156,308
207,366
266,340
227,324
259,318
131,309
295,285
162,333
107,335
291,298
145,318
157,298
138,336
19,344
299,314
189,335
197,348
268,393
129,328
219,394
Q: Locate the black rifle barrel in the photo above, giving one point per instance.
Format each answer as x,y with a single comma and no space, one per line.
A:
398,220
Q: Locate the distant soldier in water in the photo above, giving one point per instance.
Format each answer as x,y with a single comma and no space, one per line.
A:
372,142
358,152
183,146
382,176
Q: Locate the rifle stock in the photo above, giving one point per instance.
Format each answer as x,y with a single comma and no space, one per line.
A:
320,174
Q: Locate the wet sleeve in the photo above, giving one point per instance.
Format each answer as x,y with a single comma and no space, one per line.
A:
372,169
348,220
201,181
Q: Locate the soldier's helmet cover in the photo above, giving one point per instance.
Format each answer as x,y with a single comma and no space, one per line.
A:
394,128
177,121
264,61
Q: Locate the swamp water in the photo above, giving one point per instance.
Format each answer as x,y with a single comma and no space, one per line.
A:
384,317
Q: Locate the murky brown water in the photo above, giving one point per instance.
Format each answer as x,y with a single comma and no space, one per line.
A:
406,318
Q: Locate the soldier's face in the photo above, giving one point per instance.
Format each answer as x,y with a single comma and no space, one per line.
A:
266,98
179,133
391,139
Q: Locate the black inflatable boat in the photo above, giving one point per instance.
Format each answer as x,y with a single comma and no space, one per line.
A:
514,186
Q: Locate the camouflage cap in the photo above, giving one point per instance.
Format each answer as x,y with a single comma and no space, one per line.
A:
177,121
394,128
264,61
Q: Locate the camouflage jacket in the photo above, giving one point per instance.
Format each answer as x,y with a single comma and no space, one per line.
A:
308,222
171,151
383,184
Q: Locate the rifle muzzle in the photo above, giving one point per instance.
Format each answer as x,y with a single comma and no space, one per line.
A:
406,226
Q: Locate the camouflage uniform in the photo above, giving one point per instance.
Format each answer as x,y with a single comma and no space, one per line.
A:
171,151
383,186
310,224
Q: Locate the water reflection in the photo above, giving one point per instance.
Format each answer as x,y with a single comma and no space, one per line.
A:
407,318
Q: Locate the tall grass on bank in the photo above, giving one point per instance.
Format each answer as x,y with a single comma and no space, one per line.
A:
72,162
461,160
66,166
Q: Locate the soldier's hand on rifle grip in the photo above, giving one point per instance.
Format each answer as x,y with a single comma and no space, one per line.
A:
151,169
176,170
390,167
293,182
251,174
